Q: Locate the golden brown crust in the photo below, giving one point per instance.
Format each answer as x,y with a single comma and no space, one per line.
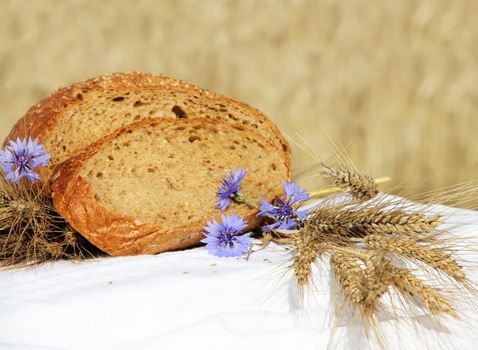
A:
116,234
41,118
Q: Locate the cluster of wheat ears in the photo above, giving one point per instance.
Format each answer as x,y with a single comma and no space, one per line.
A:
381,247
32,232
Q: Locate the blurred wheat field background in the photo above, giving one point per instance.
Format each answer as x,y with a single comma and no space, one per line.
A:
394,82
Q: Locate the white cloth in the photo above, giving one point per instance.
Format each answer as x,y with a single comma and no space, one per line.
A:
186,300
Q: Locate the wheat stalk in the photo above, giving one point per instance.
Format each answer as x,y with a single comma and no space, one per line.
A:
350,276
377,280
341,222
409,247
306,252
380,221
361,187
409,285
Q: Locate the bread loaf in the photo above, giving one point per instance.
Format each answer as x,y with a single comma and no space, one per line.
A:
150,187
76,116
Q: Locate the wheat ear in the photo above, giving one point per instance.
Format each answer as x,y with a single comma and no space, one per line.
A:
379,221
409,247
409,285
350,276
377,280
306,252
361,187
340,222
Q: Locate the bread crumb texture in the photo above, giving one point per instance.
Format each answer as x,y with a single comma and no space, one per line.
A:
167,173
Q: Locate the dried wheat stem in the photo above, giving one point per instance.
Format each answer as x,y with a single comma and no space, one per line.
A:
409,285
408,247
361,187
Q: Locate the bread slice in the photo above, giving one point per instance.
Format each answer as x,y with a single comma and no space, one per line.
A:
151,186
76,116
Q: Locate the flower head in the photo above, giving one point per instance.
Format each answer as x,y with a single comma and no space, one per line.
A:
21,158
223,239
230,188
283,213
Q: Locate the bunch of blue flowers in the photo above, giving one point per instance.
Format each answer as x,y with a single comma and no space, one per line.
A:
225,239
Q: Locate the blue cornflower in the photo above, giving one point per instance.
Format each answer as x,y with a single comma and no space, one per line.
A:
223,240
21,158
230,188
283,213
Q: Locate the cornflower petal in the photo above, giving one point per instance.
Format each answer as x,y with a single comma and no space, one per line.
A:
213,227
233,222
266,208
287,224
302,214
271,227
294,193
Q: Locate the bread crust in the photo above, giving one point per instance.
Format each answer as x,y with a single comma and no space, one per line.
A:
40,119
120,235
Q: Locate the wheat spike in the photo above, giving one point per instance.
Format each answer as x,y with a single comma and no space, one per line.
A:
379,221
306,252
408,247
409,285
340,223
361,187
377,280
350,276
325,223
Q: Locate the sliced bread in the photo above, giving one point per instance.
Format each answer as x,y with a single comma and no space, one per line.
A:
150,187
76,116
